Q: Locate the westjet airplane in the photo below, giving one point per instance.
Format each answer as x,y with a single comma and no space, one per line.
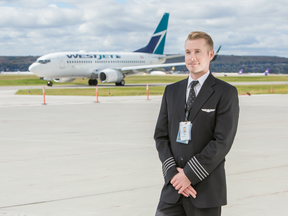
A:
108,67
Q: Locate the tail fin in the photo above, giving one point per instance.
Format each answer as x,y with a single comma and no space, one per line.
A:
157,41
216,54
240,72
266,72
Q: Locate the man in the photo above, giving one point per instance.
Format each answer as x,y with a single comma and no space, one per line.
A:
193,168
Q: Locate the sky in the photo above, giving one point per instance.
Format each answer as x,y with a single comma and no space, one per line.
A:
242,27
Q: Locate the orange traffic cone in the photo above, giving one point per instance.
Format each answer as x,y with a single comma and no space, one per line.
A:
271,90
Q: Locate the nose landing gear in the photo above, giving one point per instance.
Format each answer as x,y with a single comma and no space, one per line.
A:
50,83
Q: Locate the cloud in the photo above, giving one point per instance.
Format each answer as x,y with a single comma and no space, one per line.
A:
241,27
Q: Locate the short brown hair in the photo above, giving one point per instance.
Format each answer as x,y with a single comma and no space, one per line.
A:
198,35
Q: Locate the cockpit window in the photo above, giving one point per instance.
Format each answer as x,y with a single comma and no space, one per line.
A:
44,61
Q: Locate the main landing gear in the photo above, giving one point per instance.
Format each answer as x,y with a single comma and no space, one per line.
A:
121,83
92,82
50,83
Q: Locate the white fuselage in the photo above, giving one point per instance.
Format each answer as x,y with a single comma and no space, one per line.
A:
85,64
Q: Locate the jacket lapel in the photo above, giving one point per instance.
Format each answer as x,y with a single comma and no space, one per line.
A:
181,99
205,92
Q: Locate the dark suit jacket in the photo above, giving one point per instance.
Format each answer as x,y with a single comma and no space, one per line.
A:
214,116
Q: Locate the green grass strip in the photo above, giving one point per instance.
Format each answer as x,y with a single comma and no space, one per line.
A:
254,78
153,90
117,91
262,89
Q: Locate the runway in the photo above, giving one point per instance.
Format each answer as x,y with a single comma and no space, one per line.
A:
77,157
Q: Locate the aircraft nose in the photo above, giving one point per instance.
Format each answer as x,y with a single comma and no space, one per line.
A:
31,67
35,68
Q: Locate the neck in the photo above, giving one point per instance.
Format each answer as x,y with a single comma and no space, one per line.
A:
197,75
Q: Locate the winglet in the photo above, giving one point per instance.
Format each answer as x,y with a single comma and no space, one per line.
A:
216,54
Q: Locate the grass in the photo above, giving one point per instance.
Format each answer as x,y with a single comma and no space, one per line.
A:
117,91
153,90
19,80
254,78
16,80
262,89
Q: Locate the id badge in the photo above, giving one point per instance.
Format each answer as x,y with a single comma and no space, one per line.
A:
184,133
185,130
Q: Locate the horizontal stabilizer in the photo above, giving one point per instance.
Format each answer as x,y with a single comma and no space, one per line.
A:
152,66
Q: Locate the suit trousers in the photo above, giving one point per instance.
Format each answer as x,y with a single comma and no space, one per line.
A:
184,207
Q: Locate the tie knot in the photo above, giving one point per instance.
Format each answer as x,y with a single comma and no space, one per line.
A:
194,83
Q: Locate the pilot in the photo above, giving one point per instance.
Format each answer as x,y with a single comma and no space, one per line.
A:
194,175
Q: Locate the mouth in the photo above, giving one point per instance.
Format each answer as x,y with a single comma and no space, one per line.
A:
193,63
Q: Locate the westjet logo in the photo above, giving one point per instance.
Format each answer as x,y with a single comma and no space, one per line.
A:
87,56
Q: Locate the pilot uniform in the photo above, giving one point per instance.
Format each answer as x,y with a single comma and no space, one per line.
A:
214,117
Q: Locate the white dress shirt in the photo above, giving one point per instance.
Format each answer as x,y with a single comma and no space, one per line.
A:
198,87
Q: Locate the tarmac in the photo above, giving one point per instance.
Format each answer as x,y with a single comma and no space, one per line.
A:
75,157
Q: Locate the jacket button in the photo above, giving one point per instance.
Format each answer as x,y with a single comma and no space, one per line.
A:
181,158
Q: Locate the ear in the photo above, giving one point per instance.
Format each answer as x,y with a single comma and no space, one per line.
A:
211,54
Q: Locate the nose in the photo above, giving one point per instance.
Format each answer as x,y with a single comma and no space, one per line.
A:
31,67
35,68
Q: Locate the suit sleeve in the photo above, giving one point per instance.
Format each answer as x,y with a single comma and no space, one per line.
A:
201,165
161,137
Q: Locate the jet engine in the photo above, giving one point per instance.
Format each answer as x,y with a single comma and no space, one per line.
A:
63,80
110,75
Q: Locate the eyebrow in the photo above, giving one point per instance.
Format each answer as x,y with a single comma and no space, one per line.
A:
193,49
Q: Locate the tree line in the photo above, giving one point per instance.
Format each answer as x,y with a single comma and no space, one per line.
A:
232,64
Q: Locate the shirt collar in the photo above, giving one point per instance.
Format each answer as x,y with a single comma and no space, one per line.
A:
201,80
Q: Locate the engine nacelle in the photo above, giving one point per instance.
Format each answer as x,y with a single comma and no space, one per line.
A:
110,75
63,80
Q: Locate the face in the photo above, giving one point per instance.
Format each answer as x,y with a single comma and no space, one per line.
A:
197,57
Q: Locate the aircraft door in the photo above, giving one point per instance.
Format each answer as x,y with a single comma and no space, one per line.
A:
62,63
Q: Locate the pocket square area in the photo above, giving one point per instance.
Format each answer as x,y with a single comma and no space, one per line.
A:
208,110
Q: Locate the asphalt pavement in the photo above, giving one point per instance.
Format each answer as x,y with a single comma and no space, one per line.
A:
76,157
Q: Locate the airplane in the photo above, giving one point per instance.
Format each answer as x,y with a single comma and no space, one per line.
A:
108,67
158,73
261,74
255,74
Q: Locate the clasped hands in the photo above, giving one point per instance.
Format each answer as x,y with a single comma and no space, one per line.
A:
182,184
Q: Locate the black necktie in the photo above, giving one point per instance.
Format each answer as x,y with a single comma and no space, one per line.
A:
192,96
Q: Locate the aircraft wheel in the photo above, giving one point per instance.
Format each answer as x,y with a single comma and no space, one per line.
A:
122,83
95,82
90,82
49,83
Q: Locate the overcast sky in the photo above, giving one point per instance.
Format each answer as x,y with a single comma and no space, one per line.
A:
38,27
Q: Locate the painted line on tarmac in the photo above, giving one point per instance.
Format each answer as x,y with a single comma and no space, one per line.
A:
40,104
77,197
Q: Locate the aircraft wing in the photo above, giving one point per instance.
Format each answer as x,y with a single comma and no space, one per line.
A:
151,66
171,56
